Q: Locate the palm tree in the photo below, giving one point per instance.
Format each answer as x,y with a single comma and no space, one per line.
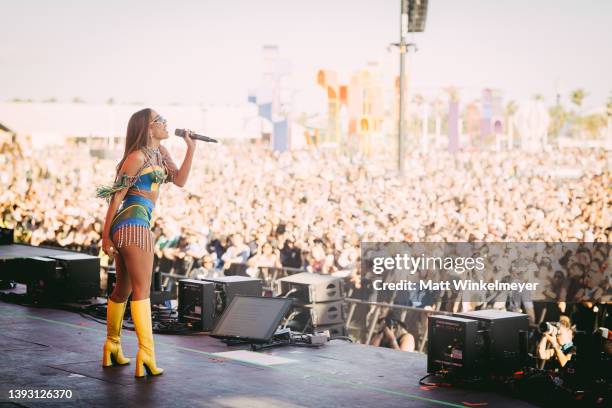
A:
578,96
592,124
558,119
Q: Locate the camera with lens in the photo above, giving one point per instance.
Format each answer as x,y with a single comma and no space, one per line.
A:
551,328
391,322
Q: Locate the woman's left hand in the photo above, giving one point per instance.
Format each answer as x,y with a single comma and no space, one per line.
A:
191,143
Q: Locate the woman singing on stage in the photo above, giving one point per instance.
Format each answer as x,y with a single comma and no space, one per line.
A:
127,236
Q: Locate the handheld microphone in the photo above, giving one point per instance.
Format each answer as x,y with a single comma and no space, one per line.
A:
181,133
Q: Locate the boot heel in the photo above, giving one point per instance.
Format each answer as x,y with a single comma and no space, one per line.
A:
107,359
111,356
143,368
140,369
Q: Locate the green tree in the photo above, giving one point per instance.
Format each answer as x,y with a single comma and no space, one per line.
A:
558,119
577,96
592,124
509,111
575,118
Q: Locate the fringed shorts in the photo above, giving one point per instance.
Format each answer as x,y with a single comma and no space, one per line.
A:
133,223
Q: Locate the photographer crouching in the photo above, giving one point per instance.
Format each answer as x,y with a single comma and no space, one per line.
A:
392,333
557,341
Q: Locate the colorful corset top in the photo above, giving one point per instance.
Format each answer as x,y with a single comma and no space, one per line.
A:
149,179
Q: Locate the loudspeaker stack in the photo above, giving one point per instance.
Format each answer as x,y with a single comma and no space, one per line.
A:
318,302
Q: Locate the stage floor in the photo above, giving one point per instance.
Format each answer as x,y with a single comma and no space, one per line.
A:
25,251
56,349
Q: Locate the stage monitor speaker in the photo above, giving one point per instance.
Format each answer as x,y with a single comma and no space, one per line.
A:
196,303
13,268
306,288
60,278
41,277
319,314
7,236
454,346
79,275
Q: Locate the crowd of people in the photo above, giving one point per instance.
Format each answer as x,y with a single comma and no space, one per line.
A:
314,207
310,209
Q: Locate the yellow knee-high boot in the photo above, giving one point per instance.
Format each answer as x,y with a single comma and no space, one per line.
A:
145,359
112,353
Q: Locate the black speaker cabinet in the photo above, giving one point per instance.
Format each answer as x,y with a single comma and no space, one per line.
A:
226,287
60,278
79,275
41,277
7,236
454,346
502,332
196,303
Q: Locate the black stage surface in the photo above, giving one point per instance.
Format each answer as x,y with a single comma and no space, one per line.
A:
25,251
56,349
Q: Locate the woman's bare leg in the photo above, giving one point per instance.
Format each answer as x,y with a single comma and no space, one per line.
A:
134,244
139,265
123,285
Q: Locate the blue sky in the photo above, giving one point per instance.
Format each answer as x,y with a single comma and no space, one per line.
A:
210,51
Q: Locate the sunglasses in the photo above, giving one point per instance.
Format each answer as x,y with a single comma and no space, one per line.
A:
160,119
